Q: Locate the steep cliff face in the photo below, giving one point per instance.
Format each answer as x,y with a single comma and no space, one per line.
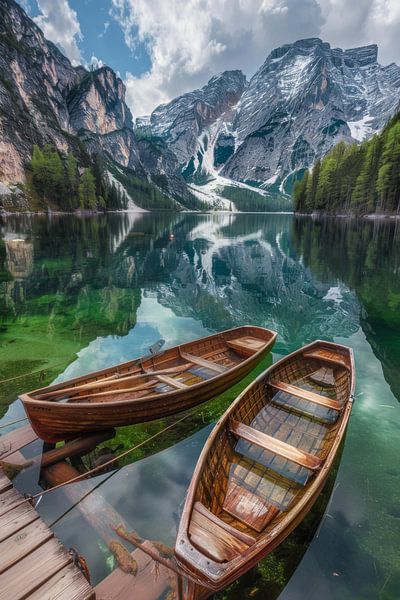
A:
34,80
44,99
191,123
305,98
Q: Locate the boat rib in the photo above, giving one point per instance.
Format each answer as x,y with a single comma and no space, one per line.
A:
264,464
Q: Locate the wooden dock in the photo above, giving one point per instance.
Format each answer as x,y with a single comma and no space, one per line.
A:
33,563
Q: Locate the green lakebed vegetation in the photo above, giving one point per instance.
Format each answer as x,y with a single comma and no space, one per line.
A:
78,294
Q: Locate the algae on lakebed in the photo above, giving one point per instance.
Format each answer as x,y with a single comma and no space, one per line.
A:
84,292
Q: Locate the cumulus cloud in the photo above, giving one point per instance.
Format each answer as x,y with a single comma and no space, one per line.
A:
190,40
365,22
59,23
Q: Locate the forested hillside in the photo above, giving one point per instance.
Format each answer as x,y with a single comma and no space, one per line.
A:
360,179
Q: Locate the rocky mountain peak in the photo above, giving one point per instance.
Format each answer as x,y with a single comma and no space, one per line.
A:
97,103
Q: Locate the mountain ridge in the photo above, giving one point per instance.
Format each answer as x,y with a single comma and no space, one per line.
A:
231,134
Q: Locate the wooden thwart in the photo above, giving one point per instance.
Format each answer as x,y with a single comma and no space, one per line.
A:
214,540
246,346
172,382
266,442
241,535
306,395
327,356
202,362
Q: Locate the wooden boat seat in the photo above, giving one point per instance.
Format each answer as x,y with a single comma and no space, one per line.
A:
202,362
172,382
306,395
212,538
266,442
246,345
327,356
241,535
248,507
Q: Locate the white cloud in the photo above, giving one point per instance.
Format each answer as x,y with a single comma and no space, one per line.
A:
95,62
106,26
190,40
59,23
363,22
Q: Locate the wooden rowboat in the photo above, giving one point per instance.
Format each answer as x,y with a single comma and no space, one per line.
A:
265,463
148,388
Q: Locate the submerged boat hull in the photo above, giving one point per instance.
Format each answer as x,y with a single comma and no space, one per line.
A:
53,420
223,532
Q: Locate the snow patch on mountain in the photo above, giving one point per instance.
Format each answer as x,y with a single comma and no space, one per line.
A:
361,129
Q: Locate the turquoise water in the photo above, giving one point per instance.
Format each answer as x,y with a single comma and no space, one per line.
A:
77,294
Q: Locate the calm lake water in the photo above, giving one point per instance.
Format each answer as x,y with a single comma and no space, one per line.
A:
78,294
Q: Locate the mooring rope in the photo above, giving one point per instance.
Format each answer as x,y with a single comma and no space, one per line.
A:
48,368
94,470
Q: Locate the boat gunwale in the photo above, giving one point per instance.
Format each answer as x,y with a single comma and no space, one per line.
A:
221,574
28,399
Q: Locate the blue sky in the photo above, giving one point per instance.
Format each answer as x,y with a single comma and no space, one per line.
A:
102,37
163,48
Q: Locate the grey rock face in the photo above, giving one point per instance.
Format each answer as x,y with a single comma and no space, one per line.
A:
186,123
97,103
304,99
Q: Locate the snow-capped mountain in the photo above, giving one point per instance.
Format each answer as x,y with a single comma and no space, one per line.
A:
197,125
305,98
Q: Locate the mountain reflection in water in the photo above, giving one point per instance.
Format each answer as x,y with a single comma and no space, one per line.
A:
77,294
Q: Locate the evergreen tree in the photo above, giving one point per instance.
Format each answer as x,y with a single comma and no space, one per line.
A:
355,178
87,190
71,182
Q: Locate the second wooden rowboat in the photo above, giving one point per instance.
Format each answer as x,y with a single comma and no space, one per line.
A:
148,388
265,464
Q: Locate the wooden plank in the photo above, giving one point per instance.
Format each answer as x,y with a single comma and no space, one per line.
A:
251,509
241,535
5,483
276,446
172,382
15,440
20,544
202,362
8,498
15,519
306,395
152,582
214,541
80,446
34,570
327,356
67,584
246,346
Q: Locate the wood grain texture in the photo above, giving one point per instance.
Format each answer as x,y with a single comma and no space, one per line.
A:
115,402
263,466
244,537
33,571
15,519
208,364
305,395
214,541
22,543
15,440
66,584
266,442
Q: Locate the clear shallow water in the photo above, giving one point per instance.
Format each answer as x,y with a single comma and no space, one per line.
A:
80,294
